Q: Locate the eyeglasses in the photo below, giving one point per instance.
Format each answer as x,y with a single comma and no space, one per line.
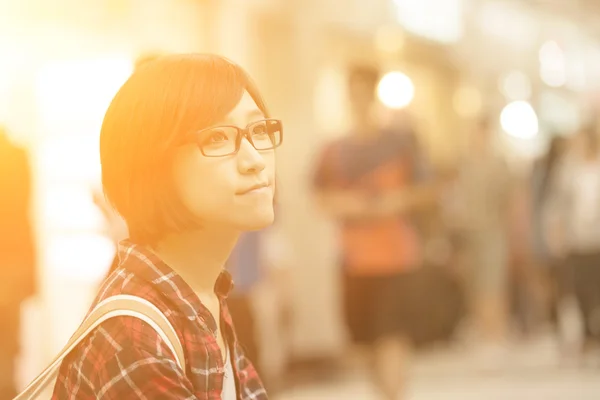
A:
225,140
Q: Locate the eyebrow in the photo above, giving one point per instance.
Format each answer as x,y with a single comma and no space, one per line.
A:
255,113
251,114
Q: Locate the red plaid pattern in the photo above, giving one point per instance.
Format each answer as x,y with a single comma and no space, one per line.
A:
126,359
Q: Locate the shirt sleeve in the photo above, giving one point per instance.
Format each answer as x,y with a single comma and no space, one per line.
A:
423,173
125,360
134,373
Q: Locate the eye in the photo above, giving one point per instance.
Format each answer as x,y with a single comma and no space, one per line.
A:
259,129
216,136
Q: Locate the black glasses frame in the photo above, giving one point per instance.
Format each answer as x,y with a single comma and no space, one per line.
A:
241,133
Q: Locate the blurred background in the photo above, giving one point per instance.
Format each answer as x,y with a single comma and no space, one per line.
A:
472,80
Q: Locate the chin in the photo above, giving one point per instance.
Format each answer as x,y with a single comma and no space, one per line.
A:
257,221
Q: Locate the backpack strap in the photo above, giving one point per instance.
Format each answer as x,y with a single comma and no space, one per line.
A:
115,306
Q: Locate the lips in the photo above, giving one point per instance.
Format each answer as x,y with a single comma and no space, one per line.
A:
258,186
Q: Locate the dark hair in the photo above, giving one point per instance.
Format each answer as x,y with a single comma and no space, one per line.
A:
484,123
364,77
364,73
164,99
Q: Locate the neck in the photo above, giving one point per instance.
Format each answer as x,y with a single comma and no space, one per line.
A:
481,148
365,131
198,256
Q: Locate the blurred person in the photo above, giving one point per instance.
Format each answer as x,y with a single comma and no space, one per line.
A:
188,160
438,272
545,177
524,286
17,254
484,193
244,266
258,264
365,182
447,308
576,235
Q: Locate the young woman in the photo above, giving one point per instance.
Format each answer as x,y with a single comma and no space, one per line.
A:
187,152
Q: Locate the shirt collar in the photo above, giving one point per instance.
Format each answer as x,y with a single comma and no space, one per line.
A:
145,264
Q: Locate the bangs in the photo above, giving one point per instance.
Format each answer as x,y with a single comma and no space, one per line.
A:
177,94
191,92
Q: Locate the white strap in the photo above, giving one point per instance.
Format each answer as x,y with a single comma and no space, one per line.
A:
114,306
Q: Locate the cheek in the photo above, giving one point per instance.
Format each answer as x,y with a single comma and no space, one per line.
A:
203,185
270,165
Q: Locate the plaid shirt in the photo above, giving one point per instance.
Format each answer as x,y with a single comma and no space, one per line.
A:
126,359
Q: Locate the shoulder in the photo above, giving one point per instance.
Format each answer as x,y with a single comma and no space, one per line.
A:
118,334
118,347
122,357
125,282
125,334
328,159
332,146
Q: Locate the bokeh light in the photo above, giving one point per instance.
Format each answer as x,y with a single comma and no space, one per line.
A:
552,64
515,85
396,90
519,120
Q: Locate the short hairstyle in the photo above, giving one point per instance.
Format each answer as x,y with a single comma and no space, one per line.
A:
364,73
145,58
363,76
163,100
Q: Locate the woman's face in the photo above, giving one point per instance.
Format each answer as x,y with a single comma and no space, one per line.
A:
233,191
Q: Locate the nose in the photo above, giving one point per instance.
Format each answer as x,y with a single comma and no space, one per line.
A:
250,161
